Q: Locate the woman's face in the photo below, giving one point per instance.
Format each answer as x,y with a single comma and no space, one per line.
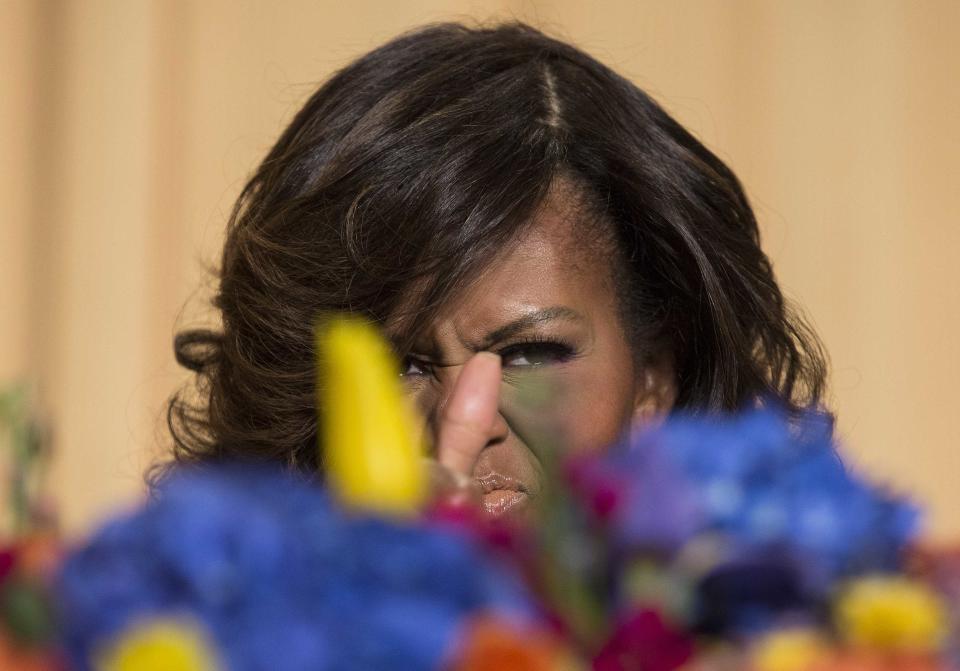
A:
571,379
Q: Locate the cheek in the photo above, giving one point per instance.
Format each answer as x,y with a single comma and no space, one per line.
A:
584,406
599,409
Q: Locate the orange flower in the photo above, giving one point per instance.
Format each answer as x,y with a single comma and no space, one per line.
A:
16,658
870,660
494,645
39,553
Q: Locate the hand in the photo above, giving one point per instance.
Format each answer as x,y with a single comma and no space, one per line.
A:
464,429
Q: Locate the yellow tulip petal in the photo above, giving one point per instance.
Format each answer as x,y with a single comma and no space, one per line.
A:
370,451
788,650
159,645
891,613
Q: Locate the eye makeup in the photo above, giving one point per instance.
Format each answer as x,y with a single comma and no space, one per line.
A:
518,349
536,351
530,352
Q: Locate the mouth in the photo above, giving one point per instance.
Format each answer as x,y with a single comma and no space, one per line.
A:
503,495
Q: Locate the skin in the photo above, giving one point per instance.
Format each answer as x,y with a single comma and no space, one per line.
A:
533,356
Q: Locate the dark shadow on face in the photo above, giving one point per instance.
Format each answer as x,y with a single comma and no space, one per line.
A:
571,379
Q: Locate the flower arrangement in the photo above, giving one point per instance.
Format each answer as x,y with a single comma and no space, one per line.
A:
29,547
705,543
276,576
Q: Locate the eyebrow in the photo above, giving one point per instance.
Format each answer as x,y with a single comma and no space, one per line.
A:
526,321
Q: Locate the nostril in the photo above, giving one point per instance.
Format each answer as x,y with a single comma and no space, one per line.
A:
499,430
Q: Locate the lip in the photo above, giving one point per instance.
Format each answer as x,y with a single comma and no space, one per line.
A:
491,482
501,502
502,494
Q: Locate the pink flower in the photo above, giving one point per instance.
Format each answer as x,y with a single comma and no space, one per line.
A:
8,560
644,642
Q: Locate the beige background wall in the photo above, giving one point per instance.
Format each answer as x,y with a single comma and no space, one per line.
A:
127,127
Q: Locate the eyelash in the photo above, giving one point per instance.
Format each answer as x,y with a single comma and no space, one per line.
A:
561,351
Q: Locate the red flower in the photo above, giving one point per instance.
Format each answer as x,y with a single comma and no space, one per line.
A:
504,537
644,642
601,493
8,560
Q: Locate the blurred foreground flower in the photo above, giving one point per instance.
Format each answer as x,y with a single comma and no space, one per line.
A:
789,650
756,511
370,452
891,613
766,480
281,579
644,641
159,645
493,645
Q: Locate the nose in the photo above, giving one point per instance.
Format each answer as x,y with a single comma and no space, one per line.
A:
500,429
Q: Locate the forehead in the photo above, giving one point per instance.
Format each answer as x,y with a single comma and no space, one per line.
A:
560,258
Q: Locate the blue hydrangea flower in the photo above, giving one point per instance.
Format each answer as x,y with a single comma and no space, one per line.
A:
280,578
764,480
762,505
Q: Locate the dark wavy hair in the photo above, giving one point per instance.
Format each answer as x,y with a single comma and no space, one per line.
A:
409,169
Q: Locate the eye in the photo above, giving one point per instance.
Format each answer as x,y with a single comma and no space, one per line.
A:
535,353
413,367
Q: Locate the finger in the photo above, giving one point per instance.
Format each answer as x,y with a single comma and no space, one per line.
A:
466,420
